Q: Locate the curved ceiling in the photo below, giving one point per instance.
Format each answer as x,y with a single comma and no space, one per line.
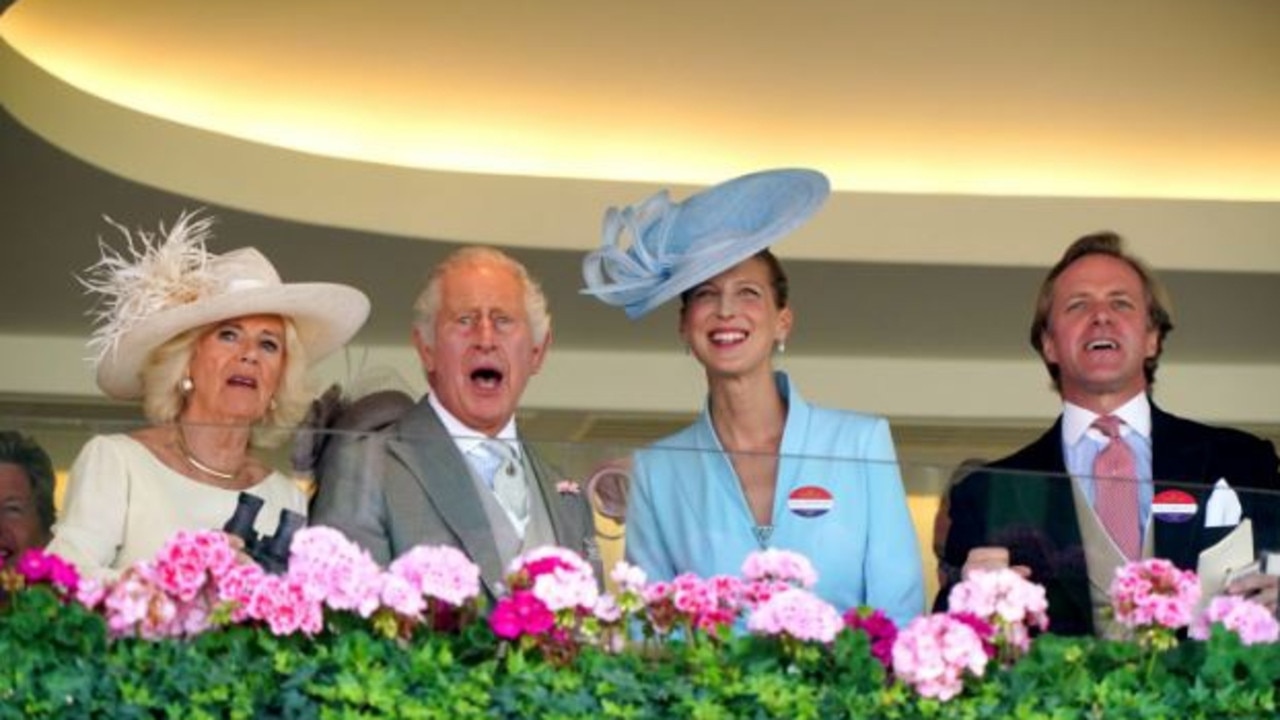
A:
471,121
968,143
933,97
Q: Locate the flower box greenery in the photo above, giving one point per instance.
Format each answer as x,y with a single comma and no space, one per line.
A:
71,650
60,663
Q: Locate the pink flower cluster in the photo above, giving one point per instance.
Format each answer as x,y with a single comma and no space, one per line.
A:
1154,593
694,603
335,572
552,590
430,581
172,595
1005,600
934,653
880,631
1253,622
198,580
796,613
782,566
35,566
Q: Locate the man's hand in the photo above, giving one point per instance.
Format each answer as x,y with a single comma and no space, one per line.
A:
991,558
1263,589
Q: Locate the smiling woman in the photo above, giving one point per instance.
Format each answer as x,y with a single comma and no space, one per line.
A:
215,346
773,471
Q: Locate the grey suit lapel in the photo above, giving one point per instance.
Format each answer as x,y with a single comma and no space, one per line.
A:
431,456
562,523
570,515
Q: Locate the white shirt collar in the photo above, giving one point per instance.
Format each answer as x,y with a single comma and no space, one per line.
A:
468,439
1076,421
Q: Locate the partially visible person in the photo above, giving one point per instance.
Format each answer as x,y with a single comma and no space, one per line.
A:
454,469
1143,483
26,496
215,347
761,467
949,574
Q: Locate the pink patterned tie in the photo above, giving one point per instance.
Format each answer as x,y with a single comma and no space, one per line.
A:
1116,476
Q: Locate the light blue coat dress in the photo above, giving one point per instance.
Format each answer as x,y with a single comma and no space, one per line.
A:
839,501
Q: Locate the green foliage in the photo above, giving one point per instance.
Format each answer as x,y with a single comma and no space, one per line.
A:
58,662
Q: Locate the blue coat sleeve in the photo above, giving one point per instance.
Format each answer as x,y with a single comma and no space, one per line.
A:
645,545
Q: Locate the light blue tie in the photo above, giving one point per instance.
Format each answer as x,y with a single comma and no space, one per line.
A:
506,477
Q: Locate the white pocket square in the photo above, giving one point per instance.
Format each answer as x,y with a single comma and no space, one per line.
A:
1223,508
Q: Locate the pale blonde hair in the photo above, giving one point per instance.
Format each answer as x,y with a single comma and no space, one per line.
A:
163,400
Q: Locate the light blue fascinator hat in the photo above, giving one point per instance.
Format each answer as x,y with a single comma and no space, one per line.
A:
675,246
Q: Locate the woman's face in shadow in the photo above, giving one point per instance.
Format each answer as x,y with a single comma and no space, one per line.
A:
20,526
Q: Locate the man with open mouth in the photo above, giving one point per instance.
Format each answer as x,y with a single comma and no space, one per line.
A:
1116,478
453,469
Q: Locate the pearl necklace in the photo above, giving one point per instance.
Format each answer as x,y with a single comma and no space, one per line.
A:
193,462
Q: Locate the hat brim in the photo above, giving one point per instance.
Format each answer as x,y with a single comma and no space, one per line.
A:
791,197
325,315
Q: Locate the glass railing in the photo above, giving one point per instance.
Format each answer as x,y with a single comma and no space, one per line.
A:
877,529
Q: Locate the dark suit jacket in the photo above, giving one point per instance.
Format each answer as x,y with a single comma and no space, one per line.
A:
1024,502
410,486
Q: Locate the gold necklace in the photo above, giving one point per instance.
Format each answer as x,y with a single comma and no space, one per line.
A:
193,462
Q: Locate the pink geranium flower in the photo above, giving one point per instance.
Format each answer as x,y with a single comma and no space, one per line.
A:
935,653
781,566
560,578
190,560
90,592
1154,593
37,566
880,631
553,592
236,588
628,577
136,605
286,605
695,603
334,571
1253,622
799,614
520,614
1005,600
444,573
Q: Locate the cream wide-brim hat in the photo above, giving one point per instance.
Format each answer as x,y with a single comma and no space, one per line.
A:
326,316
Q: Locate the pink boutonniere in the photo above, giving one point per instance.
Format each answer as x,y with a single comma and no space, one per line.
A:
568,487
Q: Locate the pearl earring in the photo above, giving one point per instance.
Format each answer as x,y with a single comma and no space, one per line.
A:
781,345
185,386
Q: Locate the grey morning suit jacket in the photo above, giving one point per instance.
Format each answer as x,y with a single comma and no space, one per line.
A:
410,485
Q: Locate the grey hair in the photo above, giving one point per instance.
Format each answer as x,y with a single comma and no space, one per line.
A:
162,401
428,303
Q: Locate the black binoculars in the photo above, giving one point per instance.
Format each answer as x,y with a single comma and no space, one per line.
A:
271,552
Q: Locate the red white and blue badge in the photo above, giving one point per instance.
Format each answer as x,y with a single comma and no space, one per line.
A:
810,501
1174,506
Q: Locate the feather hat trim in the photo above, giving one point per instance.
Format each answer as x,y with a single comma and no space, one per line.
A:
164,284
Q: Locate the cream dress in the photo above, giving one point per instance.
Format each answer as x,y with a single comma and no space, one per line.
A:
123,504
